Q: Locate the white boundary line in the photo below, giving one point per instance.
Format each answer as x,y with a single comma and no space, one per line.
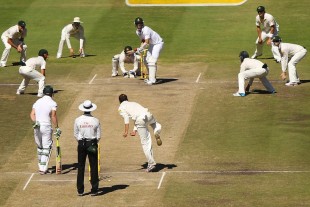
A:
28,181
161,179
90,82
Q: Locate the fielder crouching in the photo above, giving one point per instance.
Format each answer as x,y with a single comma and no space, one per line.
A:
87,131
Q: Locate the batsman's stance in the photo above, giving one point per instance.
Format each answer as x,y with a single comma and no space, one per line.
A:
154,43
43,111
142,118
87,132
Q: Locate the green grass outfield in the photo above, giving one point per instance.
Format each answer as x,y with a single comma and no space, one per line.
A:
251,151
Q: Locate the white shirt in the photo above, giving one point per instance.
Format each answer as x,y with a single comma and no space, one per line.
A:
87,127
249,63
43,108
267,23
128,59
287,50
148,33
13,33
131,110
36,62
69,30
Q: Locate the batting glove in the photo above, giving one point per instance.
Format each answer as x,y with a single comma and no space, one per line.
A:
57,132
36,125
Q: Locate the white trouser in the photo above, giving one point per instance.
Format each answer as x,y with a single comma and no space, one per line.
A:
116,65
142,123
151,59
67,39
7,49
260,73
292,72
259,47
31,74
43,139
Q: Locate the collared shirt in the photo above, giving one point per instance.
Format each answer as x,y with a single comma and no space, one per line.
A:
287,50
128,59
43,108
70,30
36,62
267,23
87,127
131,110
13,33
148,33
249,63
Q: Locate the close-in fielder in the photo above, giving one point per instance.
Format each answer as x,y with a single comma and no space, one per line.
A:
119,60
76,30
29,72
250,69
142,118
14,37
151,41
43,115
267,28
291,55
87,131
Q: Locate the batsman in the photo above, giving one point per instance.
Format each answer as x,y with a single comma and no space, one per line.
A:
43,116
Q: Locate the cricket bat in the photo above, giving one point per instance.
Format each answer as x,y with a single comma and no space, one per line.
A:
58,156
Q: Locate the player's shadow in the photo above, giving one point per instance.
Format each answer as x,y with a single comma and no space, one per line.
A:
105,190
259,91
165,80
66,168
77,56
160,166
34,94
304,81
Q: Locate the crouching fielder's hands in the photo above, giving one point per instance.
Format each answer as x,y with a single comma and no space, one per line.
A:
283,75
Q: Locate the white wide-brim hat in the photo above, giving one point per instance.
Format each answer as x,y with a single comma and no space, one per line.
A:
87,106
77,19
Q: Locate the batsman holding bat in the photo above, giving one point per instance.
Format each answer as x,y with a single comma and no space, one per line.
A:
87,131
43,114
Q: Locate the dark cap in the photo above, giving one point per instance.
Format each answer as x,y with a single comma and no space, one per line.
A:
260,9
42,52
22,23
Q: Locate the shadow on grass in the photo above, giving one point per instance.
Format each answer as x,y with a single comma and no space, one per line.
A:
77,56
258,91
105,190
66,168
165,80
160,166
34,94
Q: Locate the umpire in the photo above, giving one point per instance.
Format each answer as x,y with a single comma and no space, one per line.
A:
87,132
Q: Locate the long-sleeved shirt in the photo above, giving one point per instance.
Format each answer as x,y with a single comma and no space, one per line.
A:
288,50
70,30
131,110
13,33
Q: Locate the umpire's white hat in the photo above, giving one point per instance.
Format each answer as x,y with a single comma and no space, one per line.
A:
77,19
87,106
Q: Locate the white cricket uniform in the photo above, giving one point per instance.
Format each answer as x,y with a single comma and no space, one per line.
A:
16,36
43,135
291,55
29,72
156,44
70,31
250,69
265,26
87,127
142,118
119,60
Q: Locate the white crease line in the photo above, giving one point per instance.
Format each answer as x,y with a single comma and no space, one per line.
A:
90,82
28,181
197,80
161,179
54,180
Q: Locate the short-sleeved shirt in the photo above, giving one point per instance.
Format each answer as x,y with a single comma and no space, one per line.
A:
36,62
13,33
267,23
43,108
131,110
148,33
87,127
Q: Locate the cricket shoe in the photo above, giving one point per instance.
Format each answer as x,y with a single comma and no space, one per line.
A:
150,168
132,74
148,82
255,56
42,172
40,95
114,74
2,65
125,75
18,92
94,193
58,56
239,94
158,140
291,84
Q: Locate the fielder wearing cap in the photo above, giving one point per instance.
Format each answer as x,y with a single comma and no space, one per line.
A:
14,37
43,115
267,28
29,72
87,131
126,56
291,55
76,30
